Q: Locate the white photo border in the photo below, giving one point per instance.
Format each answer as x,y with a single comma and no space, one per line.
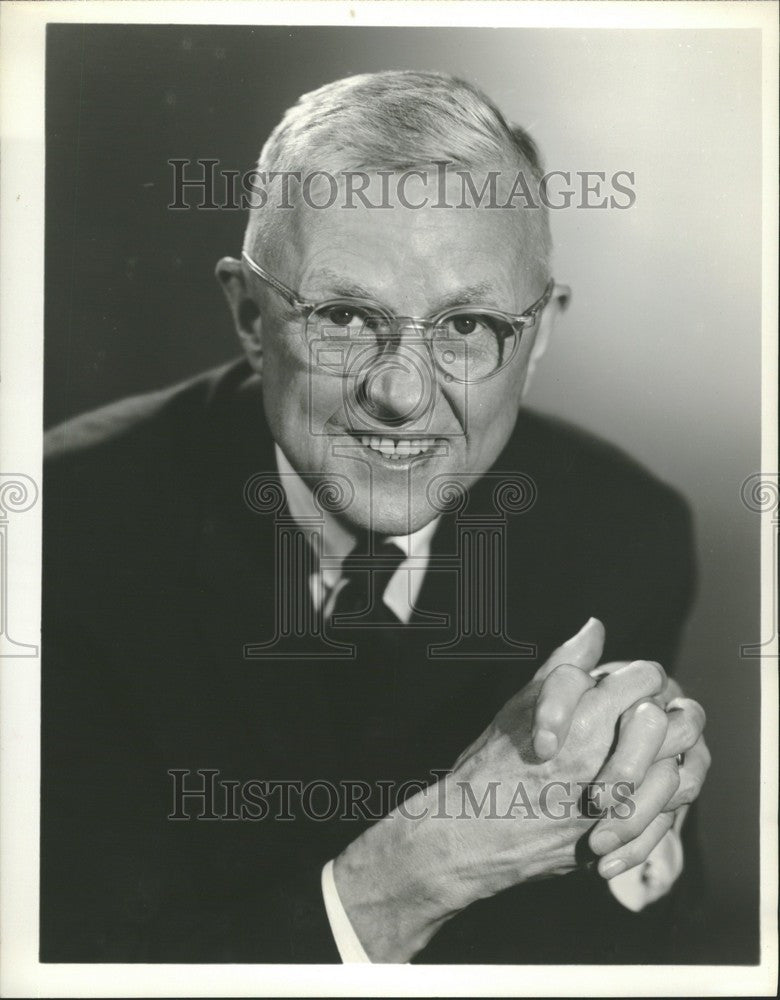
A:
22,74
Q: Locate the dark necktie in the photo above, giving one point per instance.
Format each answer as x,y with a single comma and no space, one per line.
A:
367,570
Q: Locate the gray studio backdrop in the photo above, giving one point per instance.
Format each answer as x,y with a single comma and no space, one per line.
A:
660,351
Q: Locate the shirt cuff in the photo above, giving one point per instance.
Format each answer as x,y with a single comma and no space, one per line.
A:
647,882
347,942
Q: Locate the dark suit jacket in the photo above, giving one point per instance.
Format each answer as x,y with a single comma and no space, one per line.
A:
157,573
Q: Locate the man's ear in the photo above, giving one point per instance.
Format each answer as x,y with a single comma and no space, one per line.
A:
243,308
557,304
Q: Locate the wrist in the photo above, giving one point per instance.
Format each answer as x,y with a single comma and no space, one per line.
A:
394,884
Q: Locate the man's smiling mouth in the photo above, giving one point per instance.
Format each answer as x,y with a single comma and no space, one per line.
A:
396,448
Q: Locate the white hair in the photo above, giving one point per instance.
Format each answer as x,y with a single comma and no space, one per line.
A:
396,120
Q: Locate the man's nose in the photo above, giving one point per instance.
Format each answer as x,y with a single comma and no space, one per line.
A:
397,388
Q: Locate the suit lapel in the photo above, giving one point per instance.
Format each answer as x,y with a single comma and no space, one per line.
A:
236,542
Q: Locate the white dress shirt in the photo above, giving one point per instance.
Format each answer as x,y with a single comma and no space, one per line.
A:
635,888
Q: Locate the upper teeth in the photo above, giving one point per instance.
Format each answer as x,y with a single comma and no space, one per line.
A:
399,447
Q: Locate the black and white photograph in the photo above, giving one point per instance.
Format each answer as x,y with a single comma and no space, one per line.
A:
389,499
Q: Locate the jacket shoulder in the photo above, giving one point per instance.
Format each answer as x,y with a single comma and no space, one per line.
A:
158,423
580,464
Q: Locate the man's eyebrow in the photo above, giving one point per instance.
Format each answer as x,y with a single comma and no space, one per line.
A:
477,294
338,285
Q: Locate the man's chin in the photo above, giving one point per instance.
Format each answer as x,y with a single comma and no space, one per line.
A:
388,520
384,505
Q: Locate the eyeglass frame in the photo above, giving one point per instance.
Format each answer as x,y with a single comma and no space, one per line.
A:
523,320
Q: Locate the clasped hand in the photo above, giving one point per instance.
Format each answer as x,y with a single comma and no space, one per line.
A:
660,749
622,727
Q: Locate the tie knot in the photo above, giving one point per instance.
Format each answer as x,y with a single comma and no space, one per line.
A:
373,553
367,571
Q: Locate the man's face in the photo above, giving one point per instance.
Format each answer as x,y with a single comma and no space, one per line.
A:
351,426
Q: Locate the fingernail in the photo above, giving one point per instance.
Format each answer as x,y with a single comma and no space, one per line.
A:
584,628
604,841
612,868
545,743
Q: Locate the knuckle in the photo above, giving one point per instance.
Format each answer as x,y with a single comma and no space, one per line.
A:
686,794
653,716
689,733
571,677
692,716
627,771
552,714
695,790
670,773
651,674
699,714
701,718
660,674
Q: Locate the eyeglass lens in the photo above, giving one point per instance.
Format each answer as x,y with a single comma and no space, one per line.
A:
466,345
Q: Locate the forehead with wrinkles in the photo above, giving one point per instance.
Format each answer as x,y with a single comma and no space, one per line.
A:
441,255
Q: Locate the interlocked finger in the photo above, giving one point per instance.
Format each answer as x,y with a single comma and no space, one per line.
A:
558,699
686,723
623,687
692,775
637,811
642,732
638,850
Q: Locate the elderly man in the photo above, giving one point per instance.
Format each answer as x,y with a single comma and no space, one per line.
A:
301,574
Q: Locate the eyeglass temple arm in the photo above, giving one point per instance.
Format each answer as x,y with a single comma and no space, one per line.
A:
287,293
562,292
553,290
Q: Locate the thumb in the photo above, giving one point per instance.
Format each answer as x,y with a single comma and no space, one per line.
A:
583,650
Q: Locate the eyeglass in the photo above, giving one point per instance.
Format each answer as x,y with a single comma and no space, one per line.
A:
466,343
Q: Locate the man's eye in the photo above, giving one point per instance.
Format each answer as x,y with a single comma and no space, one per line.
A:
465,325
343,316
353,320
